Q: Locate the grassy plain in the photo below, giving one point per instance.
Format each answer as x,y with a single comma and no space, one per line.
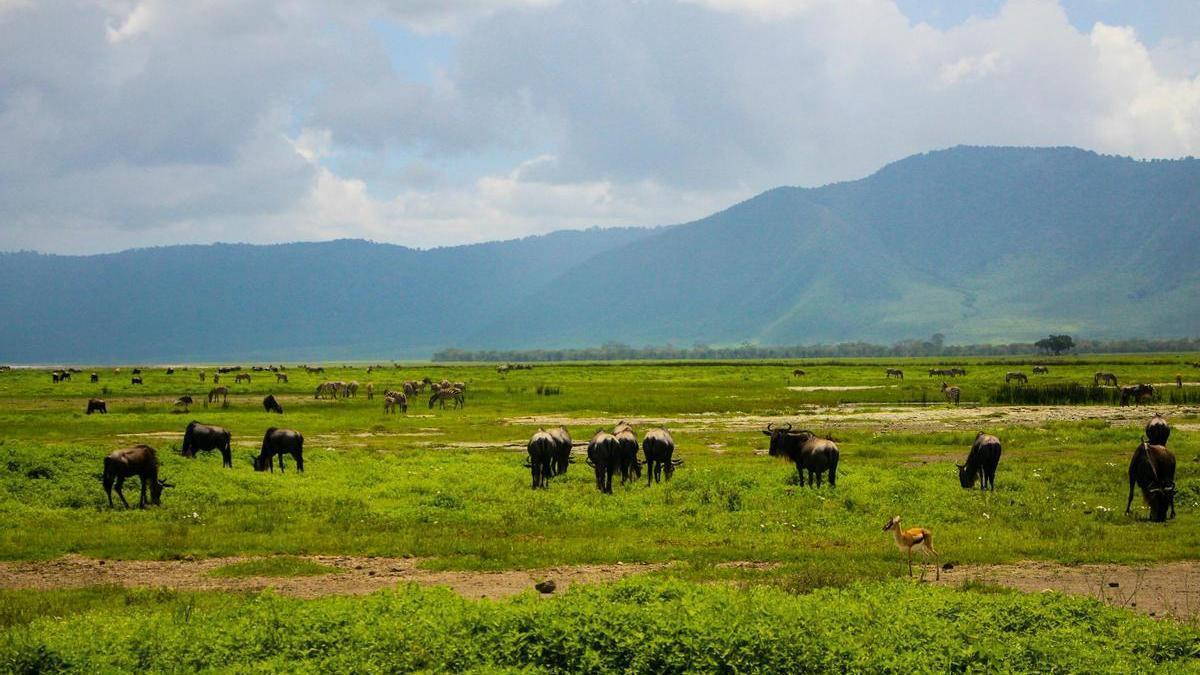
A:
448,486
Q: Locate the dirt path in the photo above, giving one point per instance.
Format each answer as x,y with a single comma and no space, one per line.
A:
1166,589
354,576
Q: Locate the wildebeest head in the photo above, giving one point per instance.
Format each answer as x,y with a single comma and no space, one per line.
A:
784,438
156,489
965,479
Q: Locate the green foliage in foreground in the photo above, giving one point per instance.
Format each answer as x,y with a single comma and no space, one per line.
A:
275,566
645,625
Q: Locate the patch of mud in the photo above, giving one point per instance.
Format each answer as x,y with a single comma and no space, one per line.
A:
1161,590
354,576
844,388
747,565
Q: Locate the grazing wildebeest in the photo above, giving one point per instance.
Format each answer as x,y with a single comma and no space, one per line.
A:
1041,370
184,402
136,371
659,446
981,462
1139,393
1106,378
1013,375
952,394
271,405
562,449
798,373
807,452
447,394
1157,430
541,449
281,377
1153,470
604,453
203,438
280,442
394,400
95,378
140,461
97,405
627,461
241,377
895,372
135,380
222,392
170,371
370,391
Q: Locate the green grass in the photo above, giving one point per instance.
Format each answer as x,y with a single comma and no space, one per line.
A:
275,566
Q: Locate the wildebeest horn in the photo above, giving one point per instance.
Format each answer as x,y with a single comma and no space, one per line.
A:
769,426
789,427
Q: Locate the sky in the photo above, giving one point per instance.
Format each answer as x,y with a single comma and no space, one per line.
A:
131,123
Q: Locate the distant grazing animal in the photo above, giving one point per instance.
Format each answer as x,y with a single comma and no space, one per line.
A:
280,442
952,394
981,462
221,392
63,376
135,380
1153,470
170,371
1179,380
798,373
202,376
658,445
562,449
327,390
96,405
411,388
317,369
1138,393
229,369
1106,378
807,451
204,438
136,371
184,402
918,538
370,391
1013,375
216,378
281,377
1041,370
447,394
394,400
604,457
628,463
241,377
271,405
895,372
1157,430
140,461
502,369
541,449
95,378
351,389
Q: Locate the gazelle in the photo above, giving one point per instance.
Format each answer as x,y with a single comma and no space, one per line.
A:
914,538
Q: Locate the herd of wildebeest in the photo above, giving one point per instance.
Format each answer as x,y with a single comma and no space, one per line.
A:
616,452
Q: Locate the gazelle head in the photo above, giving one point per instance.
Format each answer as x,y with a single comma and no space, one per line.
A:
894,522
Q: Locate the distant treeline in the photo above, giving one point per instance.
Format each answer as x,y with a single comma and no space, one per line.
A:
934,347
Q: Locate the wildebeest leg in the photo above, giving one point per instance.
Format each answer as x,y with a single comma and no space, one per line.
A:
1129,504
649,473
299,461
281,465
142,501
120,493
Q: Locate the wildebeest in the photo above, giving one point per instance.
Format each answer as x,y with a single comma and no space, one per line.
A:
135,380
981,462
1106,378
798,373
221,392
562,449
241,377
447,394
952,394
203,438
97,405
140,461
170,371
895,372
281,377
280,442
1157,430
1139,393
658,445
541,449
604,453
807,452
1014,375
271,405
1041,370
136,371
1153,470
628,463
184,402
94,378
394,400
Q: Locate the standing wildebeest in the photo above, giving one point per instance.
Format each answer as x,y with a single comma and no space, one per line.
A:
241,377
447,394
393,400
222,392
281,377
1041,370
184,402
541,449
659,446
97,405
95,378
1140,393
895,372
798,373
952,394
170,371
604,456
628,462
203,438
1014,375
1153,470
562,449
807,452
280,442
1157,430
271,405
140,461
981,462
135,380
1106,378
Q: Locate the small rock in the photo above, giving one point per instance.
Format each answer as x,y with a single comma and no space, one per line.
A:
358,567
101,562
1113,584
371,573
547,586
947,567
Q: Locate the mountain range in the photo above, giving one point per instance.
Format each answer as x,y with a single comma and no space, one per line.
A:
982,244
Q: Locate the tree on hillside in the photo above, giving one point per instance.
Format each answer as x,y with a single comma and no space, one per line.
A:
1055,344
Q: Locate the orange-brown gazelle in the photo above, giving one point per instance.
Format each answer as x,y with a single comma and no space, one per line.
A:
917,538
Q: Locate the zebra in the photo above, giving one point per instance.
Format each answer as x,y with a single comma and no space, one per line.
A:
951,393
1106,378
1020,377
895,372
240,377
393,400
281,377
222,392
443,394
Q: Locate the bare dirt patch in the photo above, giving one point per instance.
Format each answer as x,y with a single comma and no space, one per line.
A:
1165,589
354,576
842,388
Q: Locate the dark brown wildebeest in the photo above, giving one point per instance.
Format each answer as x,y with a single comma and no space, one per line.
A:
98,406
395,400
1041,370
1106,378
204,438
562,449
895,372
94,378
807,452
1157,430
798,373
281,377
184,402
140,461
170,371
271,405
135,380
627,463
659,446
241,377
136,371
1139,393
1153,470
1014,375
981,462
541,449
952,394
218,392
604,454
280,442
